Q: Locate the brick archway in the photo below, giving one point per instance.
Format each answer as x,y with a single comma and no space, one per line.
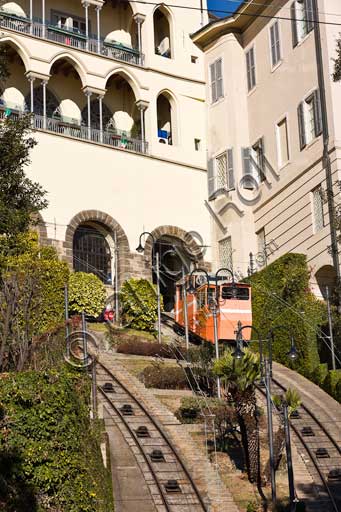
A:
112,226
194,251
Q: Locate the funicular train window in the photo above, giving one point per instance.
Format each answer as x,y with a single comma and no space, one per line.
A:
211,296
228,292
201,299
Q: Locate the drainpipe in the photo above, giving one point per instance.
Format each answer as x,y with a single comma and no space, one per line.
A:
326,158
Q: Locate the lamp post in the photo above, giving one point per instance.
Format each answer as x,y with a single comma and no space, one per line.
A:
213,307
238,354
184,298
292,355
140,249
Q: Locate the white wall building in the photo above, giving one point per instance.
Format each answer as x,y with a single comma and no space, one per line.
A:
267,181
118,95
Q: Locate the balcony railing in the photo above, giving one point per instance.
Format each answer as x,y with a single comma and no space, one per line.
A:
115,51
116,138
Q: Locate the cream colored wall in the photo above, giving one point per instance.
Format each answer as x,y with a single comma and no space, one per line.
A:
140,193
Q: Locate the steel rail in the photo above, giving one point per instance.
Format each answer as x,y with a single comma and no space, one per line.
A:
308,450
160,431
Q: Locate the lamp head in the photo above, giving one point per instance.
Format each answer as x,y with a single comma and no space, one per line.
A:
292,354
140,249
191,290
238,353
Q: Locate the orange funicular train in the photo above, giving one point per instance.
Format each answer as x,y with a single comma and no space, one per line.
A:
233,307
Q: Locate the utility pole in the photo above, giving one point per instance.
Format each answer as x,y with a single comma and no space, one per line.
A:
326,158
289,458
330,324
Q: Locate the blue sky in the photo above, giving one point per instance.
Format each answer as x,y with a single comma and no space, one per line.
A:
226,5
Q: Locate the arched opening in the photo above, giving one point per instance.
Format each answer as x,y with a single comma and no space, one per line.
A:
13,9
52,103
15,87
95,115
162,33
120,100
66,80
118,26
173,258
92,251
165,119
326,278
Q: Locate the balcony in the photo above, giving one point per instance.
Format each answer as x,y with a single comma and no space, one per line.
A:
74,38
118,139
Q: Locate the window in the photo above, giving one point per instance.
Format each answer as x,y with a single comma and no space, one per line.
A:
275,44
197,144
225,253
309,119
282,142
251,69
220,173
216,73
317,207
69,22
261,256
91,253
302,16
257,160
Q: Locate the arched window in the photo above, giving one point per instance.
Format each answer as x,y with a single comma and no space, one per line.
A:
91,253
52,103
162,33
94,115
165,120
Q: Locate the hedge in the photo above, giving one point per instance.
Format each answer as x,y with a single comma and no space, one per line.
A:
50,457
281,297
139,304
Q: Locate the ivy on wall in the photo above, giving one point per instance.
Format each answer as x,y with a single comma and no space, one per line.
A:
281,297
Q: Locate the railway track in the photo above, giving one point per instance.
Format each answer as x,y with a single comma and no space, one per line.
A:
171,485
322,454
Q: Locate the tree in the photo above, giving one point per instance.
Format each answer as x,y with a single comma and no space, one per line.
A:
239,377
337,62
20,198
31,299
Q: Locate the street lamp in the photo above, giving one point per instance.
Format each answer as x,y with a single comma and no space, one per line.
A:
140,249
292,354
191,289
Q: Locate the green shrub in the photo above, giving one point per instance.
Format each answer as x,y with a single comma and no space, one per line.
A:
281,297
164,377
139,304
86,293
337,394
50,456
319,374
331,382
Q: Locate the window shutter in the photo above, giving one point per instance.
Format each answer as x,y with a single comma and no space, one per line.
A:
213,82
273,45
301,127
277,42
309,14
211,179
248,183
294,24
230,170
219,78
318,125
262,159
248,71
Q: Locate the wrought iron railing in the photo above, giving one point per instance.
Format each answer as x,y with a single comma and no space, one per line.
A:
116,138
71,38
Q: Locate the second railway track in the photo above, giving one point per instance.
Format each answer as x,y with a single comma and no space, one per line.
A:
171,486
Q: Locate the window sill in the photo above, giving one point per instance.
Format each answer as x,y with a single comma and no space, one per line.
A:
283,166
311,143
251,91
220,100
276,66
302,41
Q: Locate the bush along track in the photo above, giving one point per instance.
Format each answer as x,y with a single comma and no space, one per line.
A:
50,458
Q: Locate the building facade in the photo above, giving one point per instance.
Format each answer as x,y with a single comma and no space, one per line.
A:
118,96
266,176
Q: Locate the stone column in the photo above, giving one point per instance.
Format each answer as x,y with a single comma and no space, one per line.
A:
44,84
88,96
142,107
86,8
139,19
31,16
98,10
43,15
31,79
100,107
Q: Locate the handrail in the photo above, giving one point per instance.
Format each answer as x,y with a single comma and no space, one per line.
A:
71,38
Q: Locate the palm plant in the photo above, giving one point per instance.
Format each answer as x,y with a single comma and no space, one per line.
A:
238,377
